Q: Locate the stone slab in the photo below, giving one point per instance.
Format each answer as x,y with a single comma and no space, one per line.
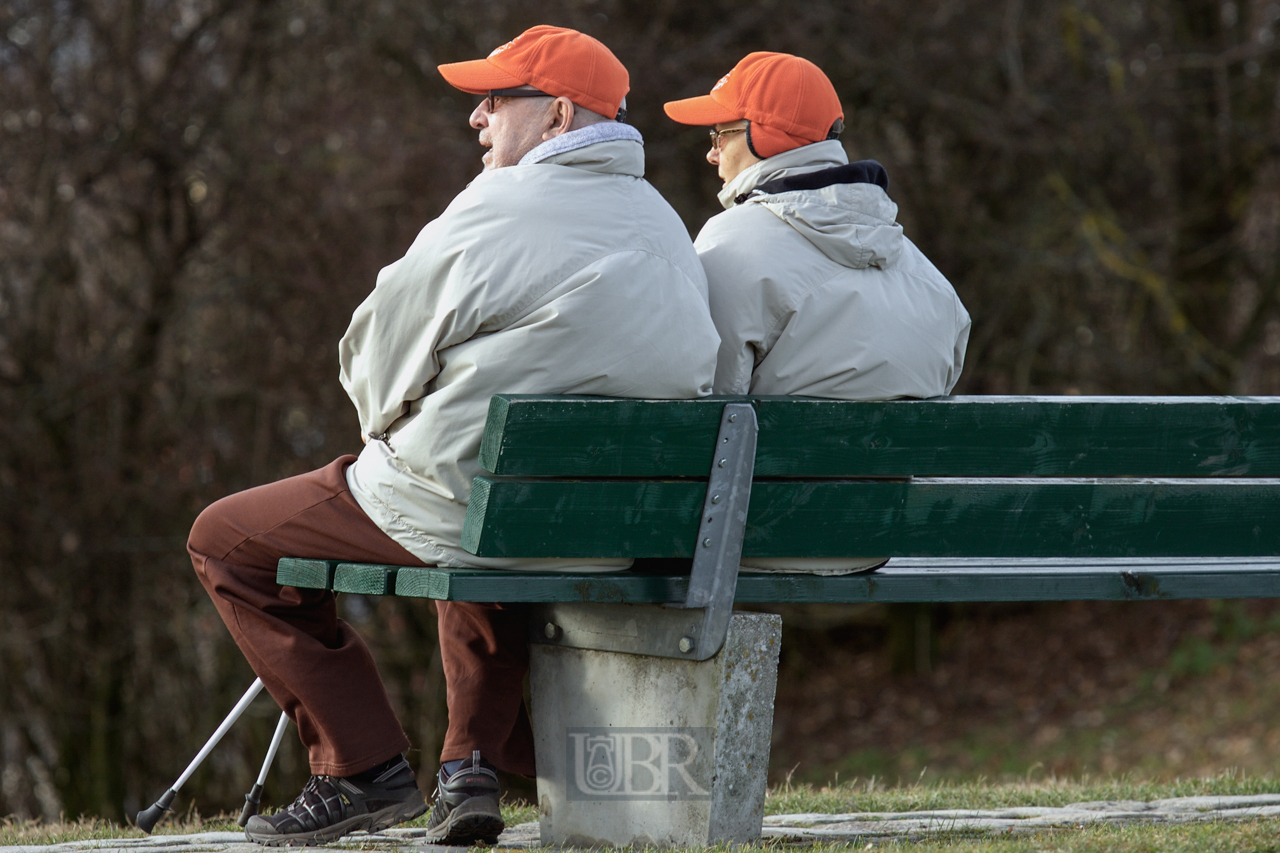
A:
873,826
651,751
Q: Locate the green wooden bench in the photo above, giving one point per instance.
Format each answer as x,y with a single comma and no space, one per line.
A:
1012,499
973,498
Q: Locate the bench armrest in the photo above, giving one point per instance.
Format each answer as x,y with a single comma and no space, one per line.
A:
721,529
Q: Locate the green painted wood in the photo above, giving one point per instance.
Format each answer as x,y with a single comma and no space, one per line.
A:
365,578
954,437
636,518
306,574
903,580
940,580
484,584
1023,437
918,518
600,436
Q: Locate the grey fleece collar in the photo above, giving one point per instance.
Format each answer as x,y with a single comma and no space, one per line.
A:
806,158
601,131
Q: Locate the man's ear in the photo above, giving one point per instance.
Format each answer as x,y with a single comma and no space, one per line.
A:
560,118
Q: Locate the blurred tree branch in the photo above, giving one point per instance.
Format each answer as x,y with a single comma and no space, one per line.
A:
194,195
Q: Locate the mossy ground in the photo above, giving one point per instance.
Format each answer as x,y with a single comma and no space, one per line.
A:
1155,690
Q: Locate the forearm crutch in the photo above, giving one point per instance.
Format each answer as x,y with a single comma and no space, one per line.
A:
147,818
254,797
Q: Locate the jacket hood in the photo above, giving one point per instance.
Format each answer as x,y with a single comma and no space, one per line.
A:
840,207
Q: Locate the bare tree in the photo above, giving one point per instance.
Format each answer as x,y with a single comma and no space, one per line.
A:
194,195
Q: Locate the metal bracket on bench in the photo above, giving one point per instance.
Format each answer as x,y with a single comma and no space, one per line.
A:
636,629
674,631
718,550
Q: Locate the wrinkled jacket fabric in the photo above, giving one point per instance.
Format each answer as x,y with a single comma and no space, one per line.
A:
819,293
567,276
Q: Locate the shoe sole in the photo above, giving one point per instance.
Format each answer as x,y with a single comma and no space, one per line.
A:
373,822
477,819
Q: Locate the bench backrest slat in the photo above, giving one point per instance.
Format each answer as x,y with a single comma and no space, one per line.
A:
920,518
954,437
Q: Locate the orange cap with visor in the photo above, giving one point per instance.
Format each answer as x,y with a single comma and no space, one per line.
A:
561,62
787,99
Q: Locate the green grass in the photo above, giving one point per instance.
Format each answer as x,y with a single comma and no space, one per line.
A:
1258,836
873,796
512,814
14,832
36,832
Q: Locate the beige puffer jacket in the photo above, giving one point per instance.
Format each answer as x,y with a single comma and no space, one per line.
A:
819,293
568,275
816,292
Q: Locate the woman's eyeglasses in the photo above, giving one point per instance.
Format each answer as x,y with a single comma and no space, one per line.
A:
716,136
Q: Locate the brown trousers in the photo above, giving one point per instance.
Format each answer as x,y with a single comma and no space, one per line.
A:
316,666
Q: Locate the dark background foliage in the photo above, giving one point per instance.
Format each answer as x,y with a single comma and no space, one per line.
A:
195,194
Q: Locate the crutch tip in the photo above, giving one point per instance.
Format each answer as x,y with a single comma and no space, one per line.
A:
148,818
251,801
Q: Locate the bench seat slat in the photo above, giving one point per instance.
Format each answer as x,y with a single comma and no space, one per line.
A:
539,587
903,580
528,518
955,436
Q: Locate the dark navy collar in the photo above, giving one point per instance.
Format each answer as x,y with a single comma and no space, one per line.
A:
861,172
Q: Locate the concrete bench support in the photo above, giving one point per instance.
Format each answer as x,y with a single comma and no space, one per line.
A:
642,750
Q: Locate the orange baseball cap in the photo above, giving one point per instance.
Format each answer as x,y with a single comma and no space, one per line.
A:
561,62
787,99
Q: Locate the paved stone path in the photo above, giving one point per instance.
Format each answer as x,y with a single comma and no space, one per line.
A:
863,827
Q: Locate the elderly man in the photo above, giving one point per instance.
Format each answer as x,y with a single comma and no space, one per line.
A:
558,270
814,288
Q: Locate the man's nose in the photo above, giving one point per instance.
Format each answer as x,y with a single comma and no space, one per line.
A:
479,117
713,156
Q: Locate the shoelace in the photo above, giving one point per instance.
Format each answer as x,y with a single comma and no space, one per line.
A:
312,800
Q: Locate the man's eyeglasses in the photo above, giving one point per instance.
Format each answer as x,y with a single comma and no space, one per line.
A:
490,101
716,136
